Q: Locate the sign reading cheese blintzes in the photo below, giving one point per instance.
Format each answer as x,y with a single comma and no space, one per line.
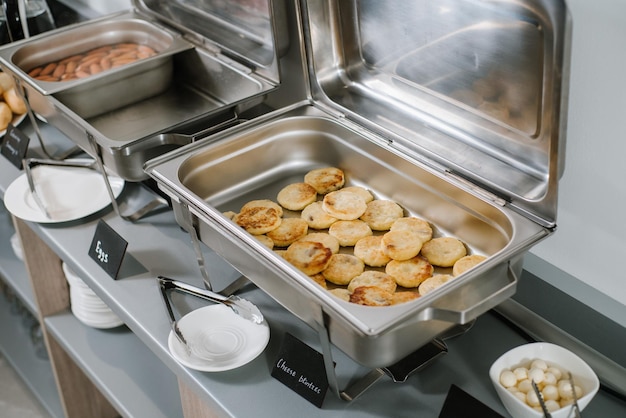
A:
301,368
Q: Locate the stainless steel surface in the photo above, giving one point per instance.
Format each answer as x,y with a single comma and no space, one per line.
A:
127,110
257,159
479,88
189,226
243,28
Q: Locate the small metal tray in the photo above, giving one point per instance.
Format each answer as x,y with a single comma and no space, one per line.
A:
192,79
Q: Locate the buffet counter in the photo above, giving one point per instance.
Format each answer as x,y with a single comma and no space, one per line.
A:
131,370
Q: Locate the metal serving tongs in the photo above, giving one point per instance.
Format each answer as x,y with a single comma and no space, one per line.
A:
92,164
30,163
240,306
542,402
33,120
577,413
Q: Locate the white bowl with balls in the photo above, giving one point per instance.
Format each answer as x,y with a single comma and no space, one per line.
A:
548,365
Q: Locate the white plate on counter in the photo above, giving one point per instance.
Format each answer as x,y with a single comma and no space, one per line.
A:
222,340
69,193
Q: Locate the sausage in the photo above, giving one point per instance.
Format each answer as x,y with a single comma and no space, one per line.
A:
92,62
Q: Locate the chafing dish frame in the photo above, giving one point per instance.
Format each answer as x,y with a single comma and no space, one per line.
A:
532,204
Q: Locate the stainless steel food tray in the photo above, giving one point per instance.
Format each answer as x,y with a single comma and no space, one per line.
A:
400,132
191,80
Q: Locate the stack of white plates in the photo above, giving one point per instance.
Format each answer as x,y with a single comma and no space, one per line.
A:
87,306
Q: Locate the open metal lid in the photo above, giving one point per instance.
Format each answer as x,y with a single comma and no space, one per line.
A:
477,88
244,30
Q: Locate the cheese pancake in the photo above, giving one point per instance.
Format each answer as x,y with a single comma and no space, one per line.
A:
465,263
325,180
443,251
308,256
349,232
369,250
371,296
416,225
361,191
381,214
344,205
259,219
317,218
296,196
373,278
433,283
410,273
290,230
343,268
400,244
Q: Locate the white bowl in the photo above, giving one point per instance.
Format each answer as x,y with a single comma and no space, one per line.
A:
554,355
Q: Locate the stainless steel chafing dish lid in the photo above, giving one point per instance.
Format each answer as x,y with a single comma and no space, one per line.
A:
242,29
474,88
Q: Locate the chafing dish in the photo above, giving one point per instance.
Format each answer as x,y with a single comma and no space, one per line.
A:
211,64
381,107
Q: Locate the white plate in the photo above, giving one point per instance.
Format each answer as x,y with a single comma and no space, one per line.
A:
69,193
224,339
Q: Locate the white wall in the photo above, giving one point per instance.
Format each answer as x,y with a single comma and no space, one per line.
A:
590,242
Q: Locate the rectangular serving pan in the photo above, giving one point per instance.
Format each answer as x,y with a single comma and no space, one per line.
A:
125,110
108,90
255,162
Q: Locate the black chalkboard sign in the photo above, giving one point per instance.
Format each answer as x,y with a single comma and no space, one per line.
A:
108,249
301,368
460,404
14,145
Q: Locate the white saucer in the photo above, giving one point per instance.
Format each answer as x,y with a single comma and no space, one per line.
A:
222,340
69,193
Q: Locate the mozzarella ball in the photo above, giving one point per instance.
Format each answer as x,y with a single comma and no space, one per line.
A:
550,392
532,399
521,373
508,379
565,389
552,405
539,364
536,374
555,371
525,386
549,379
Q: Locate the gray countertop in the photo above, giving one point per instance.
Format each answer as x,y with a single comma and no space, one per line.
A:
158,246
